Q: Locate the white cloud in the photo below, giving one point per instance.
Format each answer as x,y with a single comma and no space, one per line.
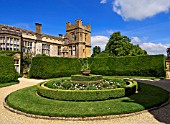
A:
99,41
103,1
135,40
153,48
140,9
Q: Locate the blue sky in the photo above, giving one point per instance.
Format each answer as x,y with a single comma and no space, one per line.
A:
146,22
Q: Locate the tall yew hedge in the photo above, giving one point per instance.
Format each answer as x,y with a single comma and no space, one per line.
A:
7,70
153,65
52,67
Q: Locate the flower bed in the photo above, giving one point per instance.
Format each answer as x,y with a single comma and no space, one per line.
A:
107,90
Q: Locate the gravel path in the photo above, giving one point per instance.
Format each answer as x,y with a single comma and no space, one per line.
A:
159,116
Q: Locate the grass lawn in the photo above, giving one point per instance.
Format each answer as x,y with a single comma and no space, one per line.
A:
28,101
8,84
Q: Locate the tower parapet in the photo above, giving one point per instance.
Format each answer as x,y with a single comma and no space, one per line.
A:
78,24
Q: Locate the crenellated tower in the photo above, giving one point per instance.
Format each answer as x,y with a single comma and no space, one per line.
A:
79,35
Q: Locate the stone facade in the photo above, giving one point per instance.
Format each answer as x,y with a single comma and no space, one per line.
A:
168,68
76,42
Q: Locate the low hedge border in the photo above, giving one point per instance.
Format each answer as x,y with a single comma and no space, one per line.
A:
86,95
86,78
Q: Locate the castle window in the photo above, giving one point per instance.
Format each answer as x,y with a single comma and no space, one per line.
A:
23,46
46,49
11,43
74,50
16,44
29,47
26,46
59,50
2,43
73,37
70,50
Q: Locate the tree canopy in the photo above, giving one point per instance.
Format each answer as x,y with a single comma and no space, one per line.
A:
119,45
96,51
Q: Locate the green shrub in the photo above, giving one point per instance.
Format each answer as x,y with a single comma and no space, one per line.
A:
7,70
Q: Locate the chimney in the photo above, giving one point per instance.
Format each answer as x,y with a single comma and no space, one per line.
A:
38,28
60,36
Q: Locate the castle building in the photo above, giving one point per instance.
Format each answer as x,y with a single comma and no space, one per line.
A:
75,44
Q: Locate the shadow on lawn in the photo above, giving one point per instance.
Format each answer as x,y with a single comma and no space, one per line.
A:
162,114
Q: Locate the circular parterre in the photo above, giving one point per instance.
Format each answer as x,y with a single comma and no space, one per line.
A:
86,88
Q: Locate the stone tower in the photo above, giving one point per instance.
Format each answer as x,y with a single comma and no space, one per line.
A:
80,36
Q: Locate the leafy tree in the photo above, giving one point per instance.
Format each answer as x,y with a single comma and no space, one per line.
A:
96,50
119,45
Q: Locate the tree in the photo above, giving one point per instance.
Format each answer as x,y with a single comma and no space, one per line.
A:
119,45
96,51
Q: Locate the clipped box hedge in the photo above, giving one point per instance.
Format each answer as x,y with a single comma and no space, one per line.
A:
7,70
86,95
53,67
